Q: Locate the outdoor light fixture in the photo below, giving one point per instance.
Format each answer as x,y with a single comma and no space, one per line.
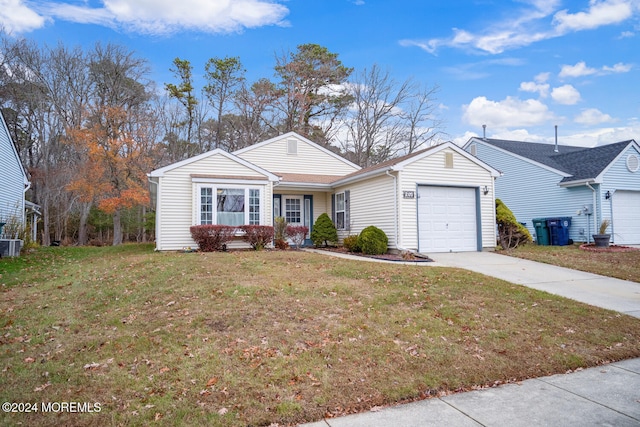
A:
607,195
485,190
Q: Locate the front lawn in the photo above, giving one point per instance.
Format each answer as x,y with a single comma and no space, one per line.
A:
622,265
254,338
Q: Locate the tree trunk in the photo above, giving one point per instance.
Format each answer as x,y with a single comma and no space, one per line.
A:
85,209
46,239
117,228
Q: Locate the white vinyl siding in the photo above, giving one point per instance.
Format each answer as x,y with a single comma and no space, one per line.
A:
432,170
178,197
371,202
308,158
618,180
12,178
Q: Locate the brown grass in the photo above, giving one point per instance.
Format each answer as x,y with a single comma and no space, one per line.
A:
254,338
622,265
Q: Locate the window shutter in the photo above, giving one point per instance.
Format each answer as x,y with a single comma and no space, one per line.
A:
333,208
347,210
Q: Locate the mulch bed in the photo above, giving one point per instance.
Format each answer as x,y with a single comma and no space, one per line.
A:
385,257
611,248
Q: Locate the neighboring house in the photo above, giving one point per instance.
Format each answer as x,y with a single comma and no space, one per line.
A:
585,184
438,199
13,184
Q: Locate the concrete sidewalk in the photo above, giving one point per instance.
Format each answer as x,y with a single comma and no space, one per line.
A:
604,396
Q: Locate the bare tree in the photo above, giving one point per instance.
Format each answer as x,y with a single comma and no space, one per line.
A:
374,130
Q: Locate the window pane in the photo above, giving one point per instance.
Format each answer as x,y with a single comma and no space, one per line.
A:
293,211
230,206
254,207
206,206
340,202
340,220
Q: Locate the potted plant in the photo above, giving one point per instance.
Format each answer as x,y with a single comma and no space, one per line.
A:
602,239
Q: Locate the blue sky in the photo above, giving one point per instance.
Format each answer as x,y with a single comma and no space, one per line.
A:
520,67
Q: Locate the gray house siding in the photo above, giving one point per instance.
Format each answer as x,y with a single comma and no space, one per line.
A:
12,178
539,195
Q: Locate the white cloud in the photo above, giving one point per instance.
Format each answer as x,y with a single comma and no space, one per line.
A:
539,85
618,68
17,17
581,69
508,113
532,23
592,116
578,70
600,13
566,95
169,16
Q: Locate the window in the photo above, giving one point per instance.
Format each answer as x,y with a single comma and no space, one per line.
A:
254,207
232,206
293,210
340,211
206,206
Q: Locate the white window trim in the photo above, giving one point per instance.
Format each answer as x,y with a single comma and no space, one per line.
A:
196,220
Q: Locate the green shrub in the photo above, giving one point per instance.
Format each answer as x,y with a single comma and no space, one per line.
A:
511,233
350,243
373,241
324,232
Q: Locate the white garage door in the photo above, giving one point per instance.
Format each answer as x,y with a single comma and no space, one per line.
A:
626,217
447,219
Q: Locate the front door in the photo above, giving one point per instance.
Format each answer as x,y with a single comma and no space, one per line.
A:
296,210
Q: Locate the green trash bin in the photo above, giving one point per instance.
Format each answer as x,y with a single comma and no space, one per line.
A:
542,231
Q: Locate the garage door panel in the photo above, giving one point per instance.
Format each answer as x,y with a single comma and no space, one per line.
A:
626,217
447,219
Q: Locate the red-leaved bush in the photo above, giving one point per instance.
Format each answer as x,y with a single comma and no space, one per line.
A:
258,236
297,233
212,238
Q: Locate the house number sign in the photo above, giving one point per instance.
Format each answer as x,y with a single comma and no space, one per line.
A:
408,194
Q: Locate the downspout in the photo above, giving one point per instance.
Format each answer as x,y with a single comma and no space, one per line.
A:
23,216
395,210
158,216
595,211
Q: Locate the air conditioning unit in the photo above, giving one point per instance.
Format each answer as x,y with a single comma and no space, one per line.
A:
10,247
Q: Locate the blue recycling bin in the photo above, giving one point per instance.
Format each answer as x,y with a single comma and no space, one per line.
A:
559,230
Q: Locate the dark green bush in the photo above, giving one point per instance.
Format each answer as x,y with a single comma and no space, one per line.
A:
511,233
350,243
324,232
373,241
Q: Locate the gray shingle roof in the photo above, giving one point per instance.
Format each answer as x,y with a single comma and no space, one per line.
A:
581,162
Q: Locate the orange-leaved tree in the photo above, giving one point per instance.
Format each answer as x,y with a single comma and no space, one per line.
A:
117,155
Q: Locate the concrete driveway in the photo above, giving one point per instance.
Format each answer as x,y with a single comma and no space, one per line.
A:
600,291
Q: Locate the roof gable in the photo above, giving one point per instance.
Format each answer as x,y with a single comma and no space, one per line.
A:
400,162
217,152
299,138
